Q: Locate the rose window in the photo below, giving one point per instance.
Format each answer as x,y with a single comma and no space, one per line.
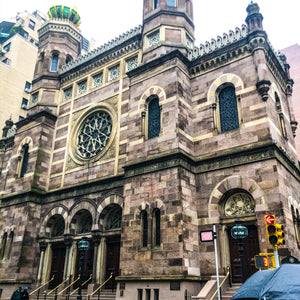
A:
94,134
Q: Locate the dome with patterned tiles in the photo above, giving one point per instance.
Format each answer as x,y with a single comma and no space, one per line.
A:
64,12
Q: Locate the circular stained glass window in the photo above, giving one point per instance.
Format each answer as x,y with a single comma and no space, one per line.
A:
94,134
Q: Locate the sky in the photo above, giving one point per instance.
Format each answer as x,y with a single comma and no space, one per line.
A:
105,20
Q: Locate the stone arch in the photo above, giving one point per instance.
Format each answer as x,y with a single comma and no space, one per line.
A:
26,140
84,204
103,208
57,210
229,183
235,80
154,90
143,206
159,205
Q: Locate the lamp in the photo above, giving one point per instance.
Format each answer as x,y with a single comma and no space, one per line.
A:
83,246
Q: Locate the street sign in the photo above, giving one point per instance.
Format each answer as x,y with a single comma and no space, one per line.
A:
206,236
239,231
269,219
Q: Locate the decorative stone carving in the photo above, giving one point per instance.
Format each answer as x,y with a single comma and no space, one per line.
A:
263,87
239,204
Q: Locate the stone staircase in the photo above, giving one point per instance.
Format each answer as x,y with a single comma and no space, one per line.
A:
230,291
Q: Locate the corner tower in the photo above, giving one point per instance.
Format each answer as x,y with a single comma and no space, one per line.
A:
60,41
167,25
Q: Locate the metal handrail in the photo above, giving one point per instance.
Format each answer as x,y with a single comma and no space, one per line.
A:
82,284
69,285
111,274
214,294
43,284
58,286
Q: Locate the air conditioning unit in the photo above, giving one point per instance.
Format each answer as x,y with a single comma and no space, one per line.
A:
24,106
27,90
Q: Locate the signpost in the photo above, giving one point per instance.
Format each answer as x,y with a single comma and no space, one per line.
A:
209,236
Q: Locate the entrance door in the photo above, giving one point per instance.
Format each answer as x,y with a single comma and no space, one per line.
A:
57,265
87,267
112,261
251,248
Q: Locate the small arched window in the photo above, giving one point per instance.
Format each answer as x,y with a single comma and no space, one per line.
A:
156,227
229,118
153,117
144,228
69,59
24,160
54,62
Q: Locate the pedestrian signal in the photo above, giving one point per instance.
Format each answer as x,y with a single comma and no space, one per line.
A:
261,262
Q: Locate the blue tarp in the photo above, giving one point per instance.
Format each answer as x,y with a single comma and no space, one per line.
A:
282,283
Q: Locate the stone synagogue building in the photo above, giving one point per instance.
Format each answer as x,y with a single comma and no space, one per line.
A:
141,144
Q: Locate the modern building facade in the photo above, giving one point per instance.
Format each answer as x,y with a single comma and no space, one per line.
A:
140,145
19,48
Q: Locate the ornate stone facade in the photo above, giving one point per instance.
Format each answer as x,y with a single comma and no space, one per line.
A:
93,169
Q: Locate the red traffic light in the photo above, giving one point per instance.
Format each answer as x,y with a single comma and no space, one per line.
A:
269,219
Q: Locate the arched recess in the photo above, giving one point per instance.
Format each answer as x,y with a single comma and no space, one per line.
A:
55,211
23,153
83,204
102,209
235,182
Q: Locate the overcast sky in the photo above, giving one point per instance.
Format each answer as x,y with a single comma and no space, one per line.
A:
105,20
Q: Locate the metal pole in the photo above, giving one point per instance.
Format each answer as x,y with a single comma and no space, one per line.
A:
217,263
276,256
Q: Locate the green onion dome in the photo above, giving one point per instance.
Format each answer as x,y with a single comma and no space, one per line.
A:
64,12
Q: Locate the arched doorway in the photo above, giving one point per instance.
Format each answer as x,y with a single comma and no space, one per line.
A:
112,232
55,229
238,204
81,225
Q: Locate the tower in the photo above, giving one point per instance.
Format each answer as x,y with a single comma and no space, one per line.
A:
60,42
167,25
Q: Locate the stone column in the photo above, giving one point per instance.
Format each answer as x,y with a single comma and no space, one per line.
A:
96,240
68,242
103,250
43,246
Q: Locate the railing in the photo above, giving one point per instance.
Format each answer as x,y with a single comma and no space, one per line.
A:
214,294
68,286
101,285
55,289
83,284
42,285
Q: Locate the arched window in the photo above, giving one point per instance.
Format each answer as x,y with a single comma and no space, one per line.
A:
24,160
9,244
280,116
3,244
144,228
229,118
153,117
155,4
54,62
69,59
156,227
115,219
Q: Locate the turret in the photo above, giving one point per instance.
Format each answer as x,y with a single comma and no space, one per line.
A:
60,41
254,18
168,25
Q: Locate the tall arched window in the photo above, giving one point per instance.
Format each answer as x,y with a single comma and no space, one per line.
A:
155,4
229,118
3,244
54,62
24,160
156,227
9,244
144,228
153,117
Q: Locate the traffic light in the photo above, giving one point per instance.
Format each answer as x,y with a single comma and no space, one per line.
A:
274,231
